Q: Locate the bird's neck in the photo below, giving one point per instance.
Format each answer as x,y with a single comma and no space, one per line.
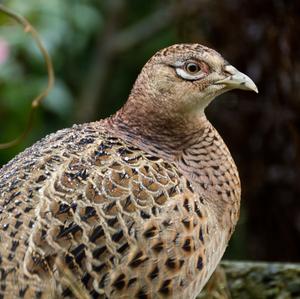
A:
159,133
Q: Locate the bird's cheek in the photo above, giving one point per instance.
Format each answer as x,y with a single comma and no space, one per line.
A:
203,85
165,86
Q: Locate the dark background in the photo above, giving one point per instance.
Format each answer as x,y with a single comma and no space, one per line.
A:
99,47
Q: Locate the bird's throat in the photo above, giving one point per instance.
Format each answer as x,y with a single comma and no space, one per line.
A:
160,134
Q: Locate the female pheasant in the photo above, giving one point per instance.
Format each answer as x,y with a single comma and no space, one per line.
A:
139,205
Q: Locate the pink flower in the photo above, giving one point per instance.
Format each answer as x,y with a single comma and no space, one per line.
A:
4,50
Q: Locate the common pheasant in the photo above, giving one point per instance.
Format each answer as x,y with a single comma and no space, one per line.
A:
139,205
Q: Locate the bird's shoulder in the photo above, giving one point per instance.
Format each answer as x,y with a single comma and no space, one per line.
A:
77,155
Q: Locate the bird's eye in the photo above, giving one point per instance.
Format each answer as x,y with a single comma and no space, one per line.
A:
192,68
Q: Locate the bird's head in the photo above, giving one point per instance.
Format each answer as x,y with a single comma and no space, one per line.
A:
180,81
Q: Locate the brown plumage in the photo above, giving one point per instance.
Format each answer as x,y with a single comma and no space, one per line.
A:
139,205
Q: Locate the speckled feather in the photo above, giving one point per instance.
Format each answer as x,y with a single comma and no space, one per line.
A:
102,211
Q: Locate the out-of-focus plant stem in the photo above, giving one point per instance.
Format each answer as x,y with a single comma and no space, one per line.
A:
28,28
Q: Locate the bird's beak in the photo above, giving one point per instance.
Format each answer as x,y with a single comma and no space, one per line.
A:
237,80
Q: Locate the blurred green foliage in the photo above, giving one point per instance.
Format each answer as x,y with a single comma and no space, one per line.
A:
66,34
71,30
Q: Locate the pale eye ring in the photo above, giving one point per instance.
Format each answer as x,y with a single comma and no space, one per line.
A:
192,68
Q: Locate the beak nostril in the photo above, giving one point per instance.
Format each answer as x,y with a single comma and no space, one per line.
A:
226,72
229,70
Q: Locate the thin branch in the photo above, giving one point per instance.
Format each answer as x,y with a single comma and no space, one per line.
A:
28,28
